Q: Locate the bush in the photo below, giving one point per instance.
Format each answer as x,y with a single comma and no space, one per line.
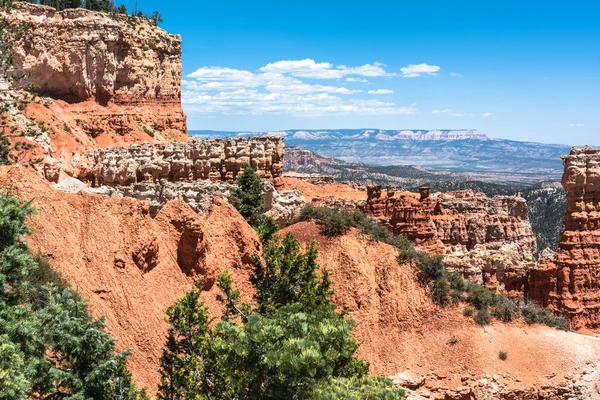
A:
336,223
535,314
483,316
504,309
440,292
468,312
430,268
502,355
149,132
452,340
480,296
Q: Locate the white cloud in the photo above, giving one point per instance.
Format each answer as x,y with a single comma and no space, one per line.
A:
308,68
455,75
380,91
487,114
577,125
222,90
303,68
416,70
278,88
448,111
356,80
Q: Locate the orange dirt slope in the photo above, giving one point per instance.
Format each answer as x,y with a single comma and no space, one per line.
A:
400,329
132,267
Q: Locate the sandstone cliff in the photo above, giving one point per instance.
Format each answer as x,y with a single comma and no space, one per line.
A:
216,160
103,79
488,240
569,283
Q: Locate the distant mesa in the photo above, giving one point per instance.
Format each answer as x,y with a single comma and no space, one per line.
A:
354,134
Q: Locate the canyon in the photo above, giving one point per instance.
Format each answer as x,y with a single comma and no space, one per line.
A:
134,213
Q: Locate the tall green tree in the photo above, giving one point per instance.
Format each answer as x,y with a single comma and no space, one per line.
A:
187,364
289,275
249,200
248,196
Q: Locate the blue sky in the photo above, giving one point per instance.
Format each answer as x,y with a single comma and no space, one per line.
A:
524,70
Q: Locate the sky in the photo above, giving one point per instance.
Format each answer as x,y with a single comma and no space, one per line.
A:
522,70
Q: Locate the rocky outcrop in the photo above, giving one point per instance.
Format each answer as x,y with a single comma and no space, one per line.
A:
216,160
438,352
283,206
107,78
489,240
569,283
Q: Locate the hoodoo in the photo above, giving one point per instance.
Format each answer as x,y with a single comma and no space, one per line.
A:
569,284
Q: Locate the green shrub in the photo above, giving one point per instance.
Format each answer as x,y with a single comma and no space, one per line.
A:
149,132
430,268
336,223
440,292
502,355
468,312
483,316
452,340
504,309
480,296
535,314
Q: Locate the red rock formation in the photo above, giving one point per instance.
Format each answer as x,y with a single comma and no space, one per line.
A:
489,240
104,79
570,283
130,266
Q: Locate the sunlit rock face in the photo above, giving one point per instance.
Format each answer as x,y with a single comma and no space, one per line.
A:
113,74
569,283
488,240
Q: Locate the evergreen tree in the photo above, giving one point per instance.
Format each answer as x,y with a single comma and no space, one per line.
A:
289,276
184,365
248,196
249,200
292,344
156,17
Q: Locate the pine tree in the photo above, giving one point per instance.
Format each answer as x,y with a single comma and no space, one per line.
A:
292,344
289,276
248,196
249,200
156,17
182,369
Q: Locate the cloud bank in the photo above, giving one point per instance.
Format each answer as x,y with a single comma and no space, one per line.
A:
277,88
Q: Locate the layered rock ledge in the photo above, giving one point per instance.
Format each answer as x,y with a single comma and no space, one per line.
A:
216,160
106,79
488,240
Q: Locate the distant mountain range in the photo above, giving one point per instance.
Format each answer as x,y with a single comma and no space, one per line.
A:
445,149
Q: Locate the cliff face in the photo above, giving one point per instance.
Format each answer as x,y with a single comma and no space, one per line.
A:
569,284
489,240
215,159
106,79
